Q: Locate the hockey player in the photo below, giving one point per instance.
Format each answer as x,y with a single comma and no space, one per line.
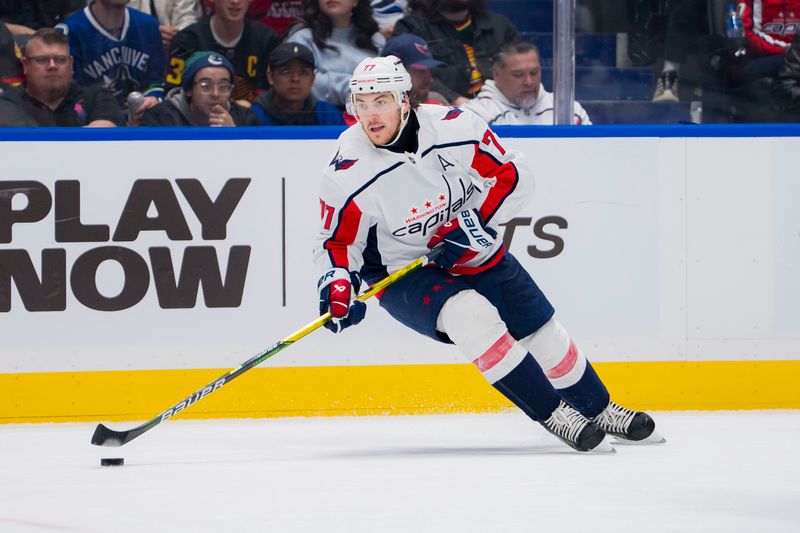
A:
404,180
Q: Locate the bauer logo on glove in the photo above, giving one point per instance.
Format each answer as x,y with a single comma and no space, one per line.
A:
465,238
337,293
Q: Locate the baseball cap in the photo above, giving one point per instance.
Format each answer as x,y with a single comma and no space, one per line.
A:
412,50
200,60
285,52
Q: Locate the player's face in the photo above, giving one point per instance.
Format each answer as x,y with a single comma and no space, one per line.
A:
292,81
232,10
379,115
212,87
421,81
47,67
337,8
519,78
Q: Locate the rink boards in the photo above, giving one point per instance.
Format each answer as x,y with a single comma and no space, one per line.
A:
133,271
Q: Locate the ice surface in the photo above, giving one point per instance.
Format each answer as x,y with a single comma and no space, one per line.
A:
719,471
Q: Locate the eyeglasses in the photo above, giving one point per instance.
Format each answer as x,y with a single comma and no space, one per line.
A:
45,60
208,86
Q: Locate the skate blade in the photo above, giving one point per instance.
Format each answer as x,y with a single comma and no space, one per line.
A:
654,438
603,448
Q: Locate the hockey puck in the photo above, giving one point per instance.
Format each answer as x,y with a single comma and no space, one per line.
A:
112,461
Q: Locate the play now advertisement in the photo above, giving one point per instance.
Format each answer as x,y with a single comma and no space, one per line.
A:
197,254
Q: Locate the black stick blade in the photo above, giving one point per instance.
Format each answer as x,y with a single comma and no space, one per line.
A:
108,437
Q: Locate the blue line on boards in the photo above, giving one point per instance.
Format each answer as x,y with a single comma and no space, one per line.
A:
332,132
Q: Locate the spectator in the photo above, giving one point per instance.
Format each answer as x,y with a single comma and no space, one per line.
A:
24,17
172,15
786,90
464,35
340,34
204,97
10,67
279,15
289,101
49,96
245,43
119,49
387,13
769,26
515,95
416,56
687,27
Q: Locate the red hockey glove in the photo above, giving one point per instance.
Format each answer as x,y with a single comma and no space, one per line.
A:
337,289
465,237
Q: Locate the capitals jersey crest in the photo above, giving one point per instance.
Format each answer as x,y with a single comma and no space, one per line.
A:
452,113
340,163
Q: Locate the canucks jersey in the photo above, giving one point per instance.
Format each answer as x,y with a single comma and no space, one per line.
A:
379,208
134,61
249,55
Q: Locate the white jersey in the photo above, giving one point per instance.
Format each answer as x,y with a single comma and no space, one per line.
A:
493,107
380,208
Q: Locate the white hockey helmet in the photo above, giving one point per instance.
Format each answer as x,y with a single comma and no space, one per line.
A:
378,75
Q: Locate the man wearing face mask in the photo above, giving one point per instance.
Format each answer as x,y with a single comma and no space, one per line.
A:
515,95
464,35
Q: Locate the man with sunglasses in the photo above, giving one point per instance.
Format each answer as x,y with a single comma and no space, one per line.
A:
50,97
204,97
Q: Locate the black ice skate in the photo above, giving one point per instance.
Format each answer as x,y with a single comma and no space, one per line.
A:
576,430
623,423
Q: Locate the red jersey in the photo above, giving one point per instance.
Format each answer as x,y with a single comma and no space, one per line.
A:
277,14
769,25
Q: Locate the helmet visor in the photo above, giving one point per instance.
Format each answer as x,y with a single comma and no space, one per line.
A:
364,107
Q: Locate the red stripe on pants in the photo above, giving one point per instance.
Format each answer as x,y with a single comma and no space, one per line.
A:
566,364
495,353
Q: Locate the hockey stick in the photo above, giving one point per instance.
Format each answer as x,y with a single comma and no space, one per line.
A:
104,436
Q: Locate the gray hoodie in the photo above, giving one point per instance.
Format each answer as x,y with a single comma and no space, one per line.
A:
174,111
493,107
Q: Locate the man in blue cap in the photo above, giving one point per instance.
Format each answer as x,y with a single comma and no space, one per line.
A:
413,51
203,98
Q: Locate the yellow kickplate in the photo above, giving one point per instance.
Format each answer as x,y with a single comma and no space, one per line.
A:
385,389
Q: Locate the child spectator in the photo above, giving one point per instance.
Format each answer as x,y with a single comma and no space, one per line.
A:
340,33
204,97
